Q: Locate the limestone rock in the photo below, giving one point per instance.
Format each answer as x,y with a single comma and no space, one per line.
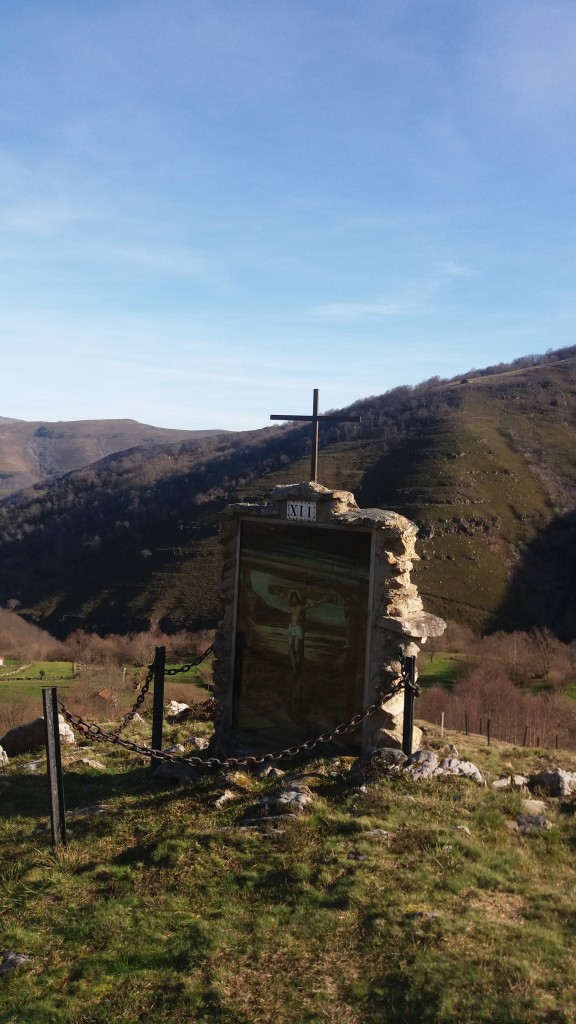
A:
197,742
534,806
295,797
90,762
555,782
66,732
27,737
12,960
423,764
463,829
4,759
419,625
527,823
175,708
454,766
86,812
269,771
510,782
32,766
378,764
225,798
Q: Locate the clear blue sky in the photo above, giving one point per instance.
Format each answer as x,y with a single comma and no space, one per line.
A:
209,207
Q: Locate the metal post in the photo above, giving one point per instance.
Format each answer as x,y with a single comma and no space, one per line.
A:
54,761
314,454
158,702
409,695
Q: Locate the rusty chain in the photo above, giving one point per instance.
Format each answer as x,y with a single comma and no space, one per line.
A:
406,677
95,731
146,686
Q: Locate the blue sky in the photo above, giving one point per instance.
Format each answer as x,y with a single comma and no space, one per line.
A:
209,207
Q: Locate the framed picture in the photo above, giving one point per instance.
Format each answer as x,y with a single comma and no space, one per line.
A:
302,627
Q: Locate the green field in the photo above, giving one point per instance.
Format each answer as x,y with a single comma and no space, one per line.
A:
440,670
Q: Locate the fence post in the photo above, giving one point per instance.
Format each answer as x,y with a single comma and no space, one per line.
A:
54,764
158,702
409,695
488,724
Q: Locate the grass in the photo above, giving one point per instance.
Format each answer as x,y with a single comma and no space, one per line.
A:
165,908
441,669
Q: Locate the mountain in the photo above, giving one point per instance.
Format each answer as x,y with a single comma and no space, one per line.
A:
30,452
484,464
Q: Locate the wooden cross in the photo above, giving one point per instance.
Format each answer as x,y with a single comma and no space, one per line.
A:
314,419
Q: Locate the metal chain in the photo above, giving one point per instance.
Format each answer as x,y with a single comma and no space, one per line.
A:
146,686
95,731
192,664
406,677
139,700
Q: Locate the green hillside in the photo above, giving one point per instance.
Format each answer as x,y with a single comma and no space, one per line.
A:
486,467
403,902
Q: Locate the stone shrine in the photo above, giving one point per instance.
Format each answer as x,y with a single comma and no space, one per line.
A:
317,609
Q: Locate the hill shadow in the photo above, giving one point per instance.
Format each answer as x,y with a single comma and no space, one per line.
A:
542,590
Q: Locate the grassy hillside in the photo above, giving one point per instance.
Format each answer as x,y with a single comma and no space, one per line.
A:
30,452
410,903
485,467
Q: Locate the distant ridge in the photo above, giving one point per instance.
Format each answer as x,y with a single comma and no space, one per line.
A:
31,452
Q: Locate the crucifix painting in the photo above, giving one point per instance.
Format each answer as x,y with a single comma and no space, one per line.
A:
302,615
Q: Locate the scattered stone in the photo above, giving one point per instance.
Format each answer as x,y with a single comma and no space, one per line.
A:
136,718
377,764
355,855
534,806
453,766
382,832
175,708
462,828
177,748
527,823
197,742
225,798
269,771
24,738
452,750
85,812
555,782
4,759
12,960
91,763
506,782
31,766
423,764
295,796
